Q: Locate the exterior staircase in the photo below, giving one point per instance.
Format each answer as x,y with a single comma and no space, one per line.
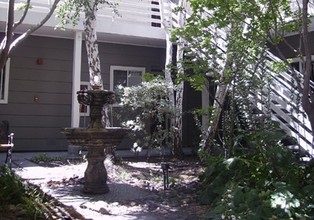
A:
286,108
284,105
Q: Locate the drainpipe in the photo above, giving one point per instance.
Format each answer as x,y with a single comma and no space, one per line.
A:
76,79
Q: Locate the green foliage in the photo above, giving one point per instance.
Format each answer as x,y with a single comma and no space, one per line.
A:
256,178
226,42
147,77
69,12
22,6
19,197
151,111
45,158
268,182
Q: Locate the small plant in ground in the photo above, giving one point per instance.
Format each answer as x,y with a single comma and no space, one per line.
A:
44,158
124,175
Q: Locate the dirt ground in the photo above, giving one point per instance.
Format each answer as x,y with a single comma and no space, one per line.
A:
178,201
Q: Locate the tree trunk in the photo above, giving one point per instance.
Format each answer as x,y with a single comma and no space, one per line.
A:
7,40
220,99
92,46
177,142
307,93
8,44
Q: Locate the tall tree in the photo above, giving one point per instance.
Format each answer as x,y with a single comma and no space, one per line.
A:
9,43
176,89
228,40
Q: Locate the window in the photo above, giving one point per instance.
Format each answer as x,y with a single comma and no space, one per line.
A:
84,109
4,83
125,76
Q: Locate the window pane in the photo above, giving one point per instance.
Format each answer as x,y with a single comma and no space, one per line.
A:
134,78
119,78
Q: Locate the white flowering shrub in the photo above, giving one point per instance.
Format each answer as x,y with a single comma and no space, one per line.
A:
151,111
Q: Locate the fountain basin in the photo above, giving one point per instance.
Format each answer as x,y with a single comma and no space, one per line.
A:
97,141
95,137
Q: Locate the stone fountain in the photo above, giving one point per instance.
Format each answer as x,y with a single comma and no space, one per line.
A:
98,138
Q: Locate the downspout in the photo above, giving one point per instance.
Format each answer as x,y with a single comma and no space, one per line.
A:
76,79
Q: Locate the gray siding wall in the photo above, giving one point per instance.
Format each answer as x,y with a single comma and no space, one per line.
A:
124,55
37,125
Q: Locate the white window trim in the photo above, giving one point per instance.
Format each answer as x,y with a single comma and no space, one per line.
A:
6,83
88,108
125,68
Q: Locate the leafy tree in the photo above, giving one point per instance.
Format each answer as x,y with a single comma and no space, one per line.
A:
9,43
307,91
172,73
228,43
299,17
256,178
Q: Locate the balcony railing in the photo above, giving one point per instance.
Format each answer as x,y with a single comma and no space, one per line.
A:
135,17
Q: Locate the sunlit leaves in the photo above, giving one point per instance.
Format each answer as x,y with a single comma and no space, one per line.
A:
22,6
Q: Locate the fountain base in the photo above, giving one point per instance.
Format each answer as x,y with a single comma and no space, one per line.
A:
97,141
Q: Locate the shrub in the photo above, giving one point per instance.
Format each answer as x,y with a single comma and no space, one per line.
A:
17,198
269,183
151,111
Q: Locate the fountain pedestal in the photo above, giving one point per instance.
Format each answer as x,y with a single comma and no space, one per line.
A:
96,138
95,173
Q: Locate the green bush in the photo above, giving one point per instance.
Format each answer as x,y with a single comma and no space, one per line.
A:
17,198
151,112
269,183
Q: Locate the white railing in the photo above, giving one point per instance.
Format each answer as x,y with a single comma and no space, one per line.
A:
139,13
286,108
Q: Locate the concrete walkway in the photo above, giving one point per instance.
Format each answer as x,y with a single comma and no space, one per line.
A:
122,200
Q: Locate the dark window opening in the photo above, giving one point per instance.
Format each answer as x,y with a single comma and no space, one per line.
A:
2,83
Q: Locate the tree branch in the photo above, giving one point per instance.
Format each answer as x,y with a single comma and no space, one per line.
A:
36,27
23,16
308,64
6,42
